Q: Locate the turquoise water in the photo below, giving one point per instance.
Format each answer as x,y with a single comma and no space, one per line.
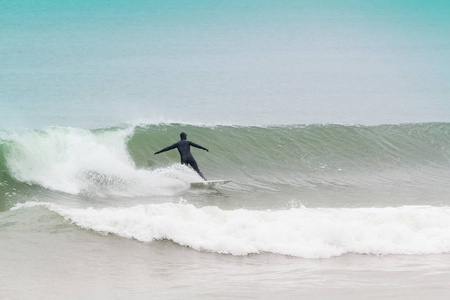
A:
332,118
254,62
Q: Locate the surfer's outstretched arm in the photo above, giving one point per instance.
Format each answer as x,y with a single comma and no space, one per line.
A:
197,146
167,149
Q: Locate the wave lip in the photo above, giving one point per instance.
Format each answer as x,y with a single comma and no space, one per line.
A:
301,232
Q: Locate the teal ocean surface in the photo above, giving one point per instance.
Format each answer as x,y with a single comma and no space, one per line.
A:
332,119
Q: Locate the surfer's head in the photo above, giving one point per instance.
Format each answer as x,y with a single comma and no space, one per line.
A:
183,136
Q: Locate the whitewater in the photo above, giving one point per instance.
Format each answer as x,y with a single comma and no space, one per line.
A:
301,232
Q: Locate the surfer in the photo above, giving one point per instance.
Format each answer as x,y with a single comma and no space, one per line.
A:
184,147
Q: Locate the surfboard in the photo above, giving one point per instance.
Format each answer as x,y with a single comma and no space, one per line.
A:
208,183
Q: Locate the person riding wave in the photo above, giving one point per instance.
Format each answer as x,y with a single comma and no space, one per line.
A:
184,148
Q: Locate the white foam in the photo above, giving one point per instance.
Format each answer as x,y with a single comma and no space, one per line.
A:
302,232
75,160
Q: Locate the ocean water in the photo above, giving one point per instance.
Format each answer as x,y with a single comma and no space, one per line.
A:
332,119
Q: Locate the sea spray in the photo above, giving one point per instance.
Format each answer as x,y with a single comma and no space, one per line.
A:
74,161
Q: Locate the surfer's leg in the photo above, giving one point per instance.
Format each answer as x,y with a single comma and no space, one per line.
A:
194,165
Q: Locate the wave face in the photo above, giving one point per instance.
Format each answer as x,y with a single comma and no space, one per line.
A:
301,232
305,151
120,161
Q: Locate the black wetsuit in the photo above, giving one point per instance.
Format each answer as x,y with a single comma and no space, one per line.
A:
184,149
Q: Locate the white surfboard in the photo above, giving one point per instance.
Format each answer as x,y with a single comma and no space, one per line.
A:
208,183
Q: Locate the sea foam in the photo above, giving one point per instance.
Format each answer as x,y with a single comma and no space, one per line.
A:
302,232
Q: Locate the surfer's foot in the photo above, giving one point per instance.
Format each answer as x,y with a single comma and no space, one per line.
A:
201,175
